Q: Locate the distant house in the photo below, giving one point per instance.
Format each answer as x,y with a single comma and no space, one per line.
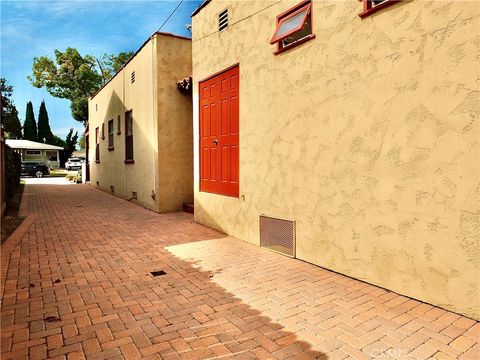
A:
139,139
79,153
36,152
346,136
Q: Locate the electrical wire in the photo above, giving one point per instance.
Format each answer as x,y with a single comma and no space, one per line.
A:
169,16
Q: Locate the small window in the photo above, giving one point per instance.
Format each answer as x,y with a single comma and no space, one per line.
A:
97,146
52,155
103,131
294,26
371,6
110,134
132,77
33,152
129,136
223,20
119,127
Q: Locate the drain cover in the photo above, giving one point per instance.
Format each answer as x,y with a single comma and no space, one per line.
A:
158,273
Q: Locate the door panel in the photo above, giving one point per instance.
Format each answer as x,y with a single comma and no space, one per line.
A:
219,128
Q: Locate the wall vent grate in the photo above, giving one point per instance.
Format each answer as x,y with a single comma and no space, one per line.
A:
223,20
277,235
132,77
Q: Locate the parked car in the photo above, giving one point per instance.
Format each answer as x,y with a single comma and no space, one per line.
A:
34,169
74,163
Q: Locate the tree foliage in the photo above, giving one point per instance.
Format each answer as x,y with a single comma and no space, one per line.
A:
70,143
30,126
81,141
110,64
44,132
12,124
75,77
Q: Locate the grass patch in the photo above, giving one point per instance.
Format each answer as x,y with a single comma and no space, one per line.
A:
11,220
58,173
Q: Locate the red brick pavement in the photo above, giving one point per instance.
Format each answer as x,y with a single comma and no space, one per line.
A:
85,263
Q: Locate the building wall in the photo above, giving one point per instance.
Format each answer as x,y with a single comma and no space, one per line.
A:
162,127
175,137
366,136
117,97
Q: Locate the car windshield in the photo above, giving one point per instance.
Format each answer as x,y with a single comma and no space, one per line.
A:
74,160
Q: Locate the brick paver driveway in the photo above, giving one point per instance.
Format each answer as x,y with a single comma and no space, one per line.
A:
79,286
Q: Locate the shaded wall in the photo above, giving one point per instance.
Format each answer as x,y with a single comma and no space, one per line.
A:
175,137
367,136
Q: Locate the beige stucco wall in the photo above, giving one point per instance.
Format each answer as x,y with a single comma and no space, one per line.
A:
119,96
175,137
367,136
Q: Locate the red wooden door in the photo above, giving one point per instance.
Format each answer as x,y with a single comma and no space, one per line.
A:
219,151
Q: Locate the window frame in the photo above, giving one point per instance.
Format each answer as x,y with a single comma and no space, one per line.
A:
295,10
119,125
97,145
368,8
110,144
33,152
128,138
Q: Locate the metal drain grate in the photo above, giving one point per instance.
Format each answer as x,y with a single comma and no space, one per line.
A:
158,273
277,235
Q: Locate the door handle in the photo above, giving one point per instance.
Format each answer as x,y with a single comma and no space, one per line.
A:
215,141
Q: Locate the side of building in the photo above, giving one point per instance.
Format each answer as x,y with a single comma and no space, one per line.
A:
365,135
125,126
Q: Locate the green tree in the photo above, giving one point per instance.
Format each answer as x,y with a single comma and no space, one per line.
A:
30,126
110,64
12,124
74,77
44,131
81,141
70,143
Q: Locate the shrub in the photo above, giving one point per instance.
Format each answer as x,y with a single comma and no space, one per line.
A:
12,171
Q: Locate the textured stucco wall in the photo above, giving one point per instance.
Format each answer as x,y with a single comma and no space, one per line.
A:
367,136
117,97
175,153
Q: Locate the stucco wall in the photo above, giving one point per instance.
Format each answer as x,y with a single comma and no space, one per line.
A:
154,129
117,97
175,137
367,136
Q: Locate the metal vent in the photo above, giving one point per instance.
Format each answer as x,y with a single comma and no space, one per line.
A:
277,235
223,20
132,77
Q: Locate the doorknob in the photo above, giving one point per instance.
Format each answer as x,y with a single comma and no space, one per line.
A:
215,141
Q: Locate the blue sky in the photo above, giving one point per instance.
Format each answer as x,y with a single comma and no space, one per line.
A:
35,28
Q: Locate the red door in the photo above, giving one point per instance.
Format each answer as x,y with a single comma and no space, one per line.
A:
219,152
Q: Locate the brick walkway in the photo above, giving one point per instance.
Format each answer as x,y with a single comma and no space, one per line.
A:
85,261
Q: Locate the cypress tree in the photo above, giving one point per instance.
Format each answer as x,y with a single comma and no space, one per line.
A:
44,131
13,127
30,126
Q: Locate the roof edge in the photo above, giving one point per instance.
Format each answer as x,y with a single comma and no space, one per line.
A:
135,54
198,9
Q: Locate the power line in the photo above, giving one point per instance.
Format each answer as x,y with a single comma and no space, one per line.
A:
169,16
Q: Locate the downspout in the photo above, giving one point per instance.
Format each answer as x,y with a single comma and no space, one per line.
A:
155,196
